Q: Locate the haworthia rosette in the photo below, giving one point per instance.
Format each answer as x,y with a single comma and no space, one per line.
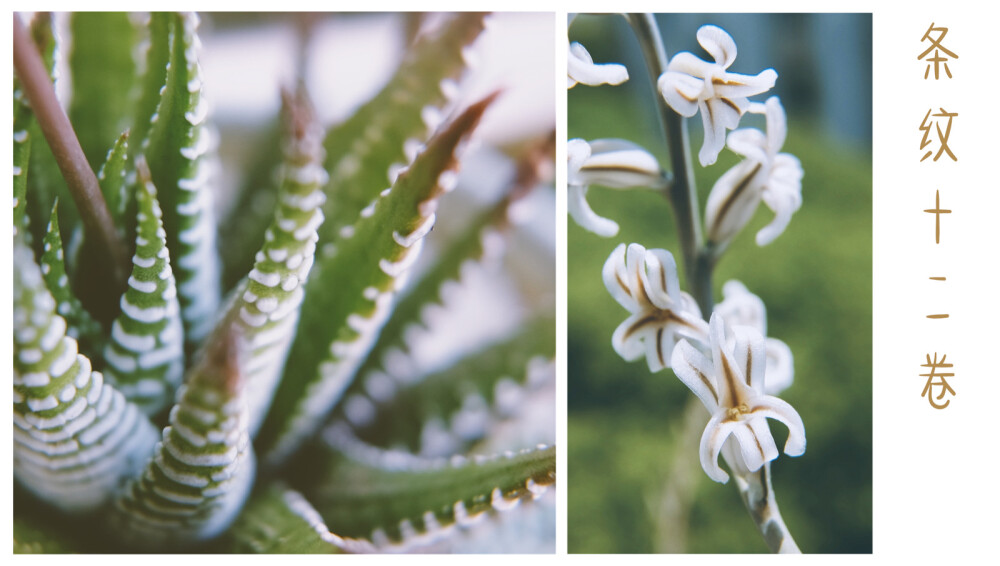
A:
76,438
176,150
81,326
354,289
202,471
145,356
269,300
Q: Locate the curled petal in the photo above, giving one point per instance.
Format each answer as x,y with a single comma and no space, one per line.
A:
620,164
715,116
777,124
681,91
774,408
751,448
783,195
629,340
695,371
735,85
750,143
577,153
780,366
718,43
740,306
585,216
716,433
582,69
616,279
733,200
660,277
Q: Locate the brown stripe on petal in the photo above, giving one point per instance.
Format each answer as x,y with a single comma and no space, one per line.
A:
704,379
718,81
749,363
648,319
735,193
614,169
727,373
622,284
641,287
684,96
732,105
756,440
663,278
659,346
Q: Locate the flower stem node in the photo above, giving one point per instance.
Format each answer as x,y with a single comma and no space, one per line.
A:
692,84
612,163
645,283
731,386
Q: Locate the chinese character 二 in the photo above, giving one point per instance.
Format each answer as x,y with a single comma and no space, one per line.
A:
938,60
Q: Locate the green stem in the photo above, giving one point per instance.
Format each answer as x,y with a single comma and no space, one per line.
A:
80,178
758,496
682,192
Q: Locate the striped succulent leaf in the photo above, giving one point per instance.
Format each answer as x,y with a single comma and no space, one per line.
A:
103,70
367,151
351,293
154,75
480,241
76,438
111,177
395,499
278,520
177,148
203,470
145,355
445,412
80,325
269,300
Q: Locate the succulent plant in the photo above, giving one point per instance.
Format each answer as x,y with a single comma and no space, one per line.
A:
252,388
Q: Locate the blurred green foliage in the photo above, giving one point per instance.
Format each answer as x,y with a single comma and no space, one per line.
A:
816,280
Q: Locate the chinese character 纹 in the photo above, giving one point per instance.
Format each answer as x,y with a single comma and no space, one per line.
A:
925,127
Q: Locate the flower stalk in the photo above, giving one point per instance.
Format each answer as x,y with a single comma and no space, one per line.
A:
682,191
80,178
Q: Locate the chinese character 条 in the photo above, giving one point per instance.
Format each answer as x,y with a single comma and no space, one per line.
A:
925,127
945,388
937,59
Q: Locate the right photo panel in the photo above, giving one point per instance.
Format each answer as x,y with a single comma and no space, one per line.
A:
719,283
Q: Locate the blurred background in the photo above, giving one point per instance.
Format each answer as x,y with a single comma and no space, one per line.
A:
635,484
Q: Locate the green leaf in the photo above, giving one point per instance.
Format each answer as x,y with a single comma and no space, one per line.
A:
112,179
203,470
81,326
378,137
103,71
393,497
75,437
176,152
155,75
469,245
269,300
447,411
277,520
145,356
349,295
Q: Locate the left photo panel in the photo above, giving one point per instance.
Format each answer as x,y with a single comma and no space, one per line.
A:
284,283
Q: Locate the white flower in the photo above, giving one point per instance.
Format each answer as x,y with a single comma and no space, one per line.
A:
731,386
764,174
743,308
645,283
692,84
613,163
581,69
